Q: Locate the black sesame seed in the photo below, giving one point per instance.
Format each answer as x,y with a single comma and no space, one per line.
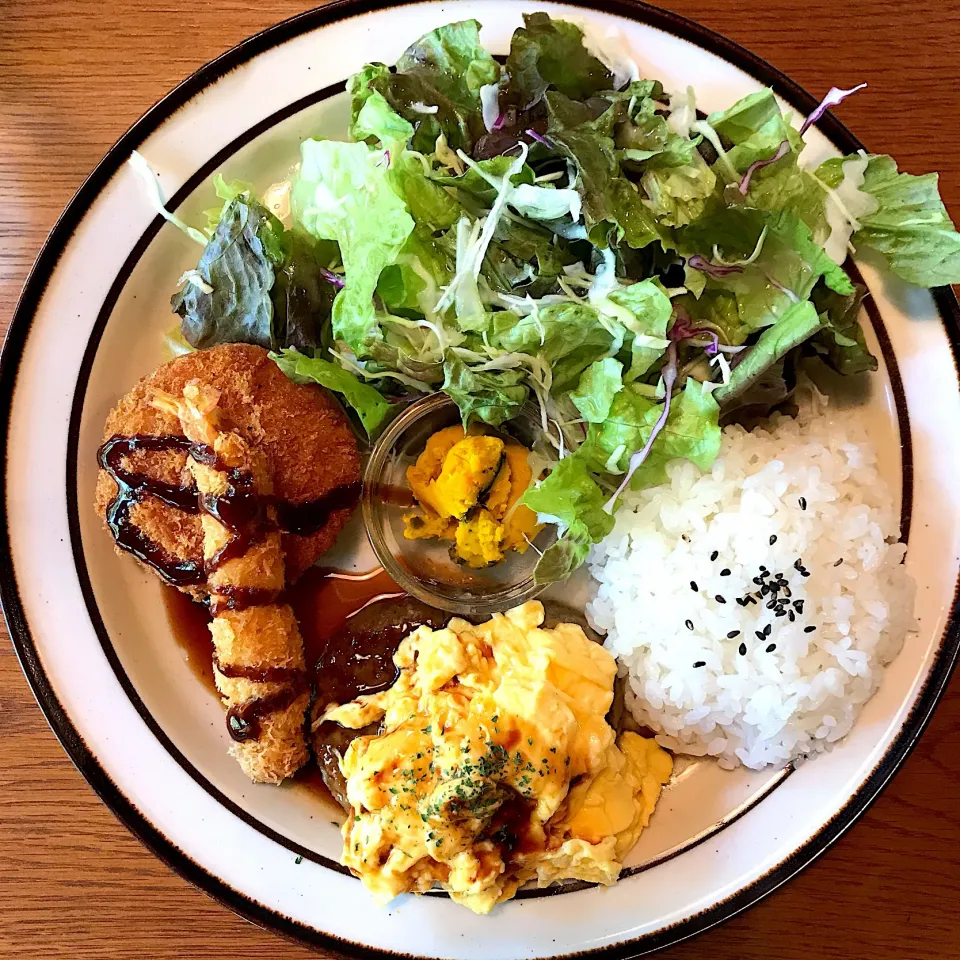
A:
725,572
763,569
809,629
799,605
798,563
743,601
720,599
771,648
760,635
837,564
804,572
732,634
803,503
700,663
743,649
780,613
791,615
757,581
771,604
767,630
773,539
715,554
752,599
688,624
693,586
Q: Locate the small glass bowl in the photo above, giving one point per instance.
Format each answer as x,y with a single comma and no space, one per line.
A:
424,568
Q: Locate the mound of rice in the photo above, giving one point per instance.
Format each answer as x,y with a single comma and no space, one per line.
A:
801,505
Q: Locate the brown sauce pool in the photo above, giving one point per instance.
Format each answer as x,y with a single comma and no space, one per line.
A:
351,625
190,623
324,601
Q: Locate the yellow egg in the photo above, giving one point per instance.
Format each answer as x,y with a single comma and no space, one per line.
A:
494,764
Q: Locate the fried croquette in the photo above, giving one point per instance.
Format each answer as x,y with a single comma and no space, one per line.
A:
309,447
258,651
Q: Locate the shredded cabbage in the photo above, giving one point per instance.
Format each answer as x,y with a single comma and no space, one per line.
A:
472,245
446,156
145,172
706,131
741,263
721,361
846,205
683,112
276,198
196,278
490,105
610,48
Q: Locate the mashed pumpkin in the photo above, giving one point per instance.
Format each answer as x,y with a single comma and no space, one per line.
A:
468,485
494,764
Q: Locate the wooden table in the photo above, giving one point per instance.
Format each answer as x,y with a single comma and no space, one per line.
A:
74,74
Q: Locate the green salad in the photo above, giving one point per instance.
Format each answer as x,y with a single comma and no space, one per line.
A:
557,230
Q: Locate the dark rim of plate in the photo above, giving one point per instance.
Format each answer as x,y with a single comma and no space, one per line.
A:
63,727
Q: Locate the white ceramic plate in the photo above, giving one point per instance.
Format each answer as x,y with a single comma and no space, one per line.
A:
90,626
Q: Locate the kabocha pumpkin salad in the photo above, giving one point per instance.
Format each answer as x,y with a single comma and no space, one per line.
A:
469,485
561,231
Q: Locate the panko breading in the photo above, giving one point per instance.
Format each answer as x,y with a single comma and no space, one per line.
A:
258,651
309,446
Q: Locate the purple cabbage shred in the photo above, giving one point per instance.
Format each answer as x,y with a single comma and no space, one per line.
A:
530,132
834,96
334,279
776,283
780,152
669,374
716,270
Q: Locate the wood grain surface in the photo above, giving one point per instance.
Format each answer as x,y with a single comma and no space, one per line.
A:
74,74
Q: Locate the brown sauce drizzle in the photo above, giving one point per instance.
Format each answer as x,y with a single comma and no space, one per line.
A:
304,519
260,672
509,827
229,597
240,508
244,719
243,511
131,489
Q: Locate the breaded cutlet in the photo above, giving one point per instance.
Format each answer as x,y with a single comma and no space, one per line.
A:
308,442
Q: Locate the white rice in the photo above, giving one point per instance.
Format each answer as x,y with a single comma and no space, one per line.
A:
764,706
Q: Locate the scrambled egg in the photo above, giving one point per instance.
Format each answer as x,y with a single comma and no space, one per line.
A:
494,764
468,485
